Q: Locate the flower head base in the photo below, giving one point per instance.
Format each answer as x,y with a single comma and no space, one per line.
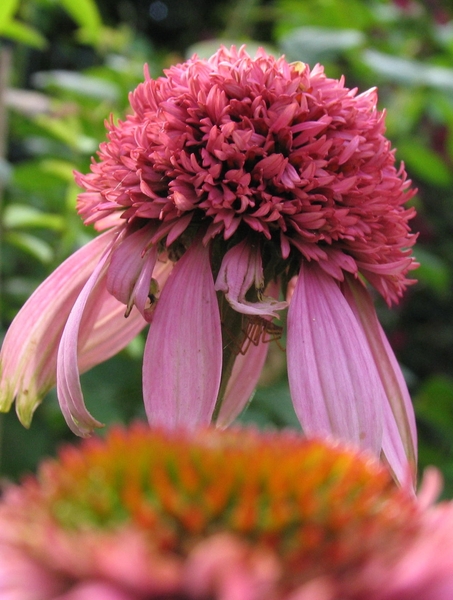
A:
152,513
237,186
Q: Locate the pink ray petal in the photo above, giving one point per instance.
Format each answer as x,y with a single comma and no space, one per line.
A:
183,353
29,353
243,380
333,379
109,334
69,390
95,330
242,269
111,331
393,452
400,445
131,267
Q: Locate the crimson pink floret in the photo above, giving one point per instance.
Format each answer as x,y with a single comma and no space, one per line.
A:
238,144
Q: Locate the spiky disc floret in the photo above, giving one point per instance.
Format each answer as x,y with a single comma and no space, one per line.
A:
245,144
308,501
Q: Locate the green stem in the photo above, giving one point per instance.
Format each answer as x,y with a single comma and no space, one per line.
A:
232,340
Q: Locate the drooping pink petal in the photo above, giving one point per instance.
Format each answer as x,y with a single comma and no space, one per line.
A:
401,445
29,353
108,334
183,353
111,331
333,379
393,451
243,380
69,390
95,330
131,267
242,269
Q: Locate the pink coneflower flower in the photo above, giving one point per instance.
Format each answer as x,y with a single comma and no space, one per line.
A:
220,515
224,515
237,186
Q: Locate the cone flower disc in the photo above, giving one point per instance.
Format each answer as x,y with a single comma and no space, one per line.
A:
237,186
215,514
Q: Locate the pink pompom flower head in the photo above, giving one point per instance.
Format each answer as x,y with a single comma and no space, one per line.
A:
236,188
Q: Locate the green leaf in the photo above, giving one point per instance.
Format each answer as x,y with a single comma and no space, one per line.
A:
27,173
405,108
60,168
24,448
424,163
83,85
85,13
7,10
30,244
21,215
19,32
434,409
406,71
434,404
271,406
433,270
67,132
322,13
317,44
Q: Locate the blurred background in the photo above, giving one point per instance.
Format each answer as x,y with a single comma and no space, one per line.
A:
66,65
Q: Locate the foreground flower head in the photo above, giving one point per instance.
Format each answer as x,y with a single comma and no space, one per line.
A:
237,186
215,514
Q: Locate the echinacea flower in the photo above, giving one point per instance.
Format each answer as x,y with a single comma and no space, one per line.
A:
148,512
220,515
237,186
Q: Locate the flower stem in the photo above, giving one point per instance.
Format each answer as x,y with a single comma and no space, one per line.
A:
232,340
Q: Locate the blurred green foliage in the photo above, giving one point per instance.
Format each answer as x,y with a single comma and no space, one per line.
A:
74,63
13,29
